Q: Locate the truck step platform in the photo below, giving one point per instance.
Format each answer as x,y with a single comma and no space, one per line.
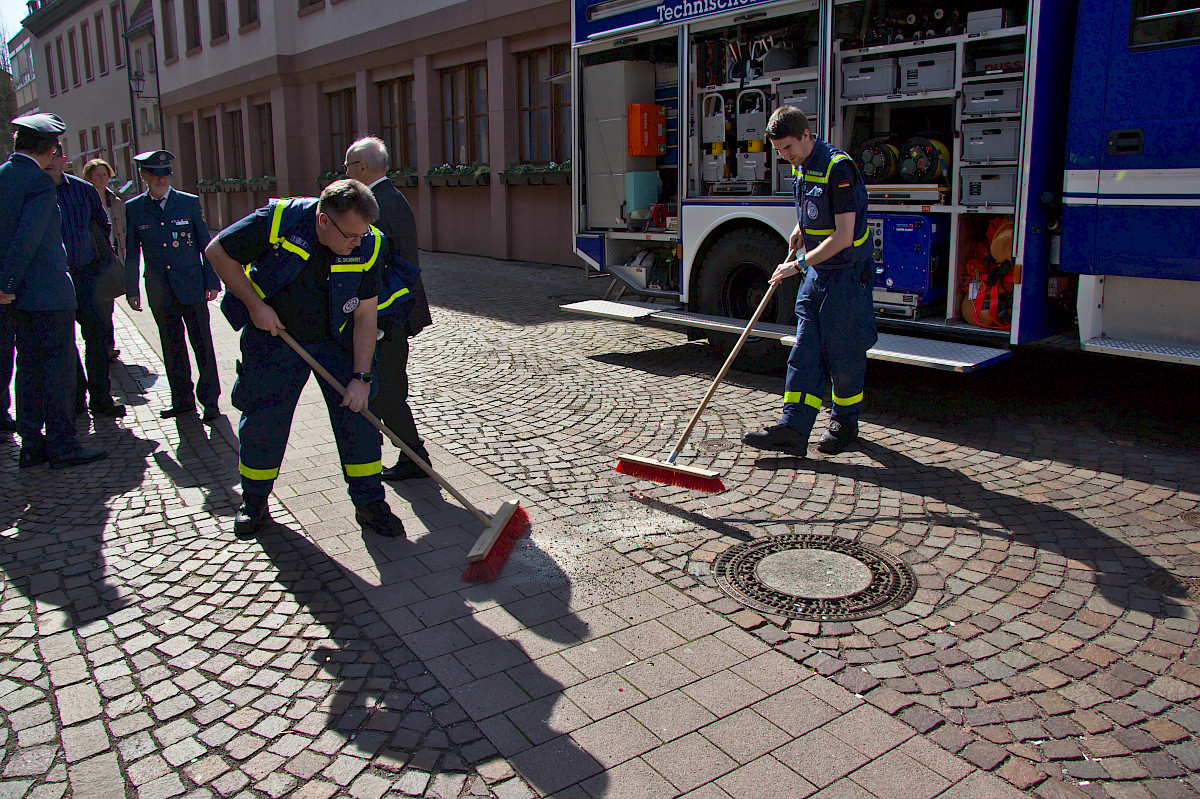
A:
944,355
1153,351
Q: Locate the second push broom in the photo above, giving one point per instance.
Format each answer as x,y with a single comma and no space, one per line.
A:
670,473
496,542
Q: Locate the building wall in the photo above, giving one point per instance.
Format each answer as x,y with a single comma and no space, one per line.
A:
294,60
85,103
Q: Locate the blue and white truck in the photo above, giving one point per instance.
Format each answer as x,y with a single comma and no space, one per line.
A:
1033,167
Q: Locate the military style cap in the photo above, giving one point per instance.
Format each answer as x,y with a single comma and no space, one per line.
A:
41,124
156,162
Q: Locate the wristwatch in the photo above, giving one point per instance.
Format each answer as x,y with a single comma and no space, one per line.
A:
363,376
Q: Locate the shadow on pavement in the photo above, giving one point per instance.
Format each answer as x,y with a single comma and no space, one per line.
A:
985,511
53,524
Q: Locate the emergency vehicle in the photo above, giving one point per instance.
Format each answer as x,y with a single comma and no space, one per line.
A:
1033,169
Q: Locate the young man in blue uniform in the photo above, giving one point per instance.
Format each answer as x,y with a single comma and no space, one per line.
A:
166,227
40,298
314,271
835,319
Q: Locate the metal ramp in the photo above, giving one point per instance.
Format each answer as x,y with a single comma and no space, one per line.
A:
935,354
1149,350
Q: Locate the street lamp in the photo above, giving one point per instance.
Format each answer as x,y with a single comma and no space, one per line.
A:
137,83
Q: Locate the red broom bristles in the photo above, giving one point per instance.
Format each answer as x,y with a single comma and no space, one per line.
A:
667,475
488,569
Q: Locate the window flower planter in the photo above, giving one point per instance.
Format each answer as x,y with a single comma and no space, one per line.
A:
207,188
261,184
233,185
459,179
403,181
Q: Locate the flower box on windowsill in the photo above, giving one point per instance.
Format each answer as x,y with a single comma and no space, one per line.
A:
534,178
403,181
459,179
208,188
233,185
261,184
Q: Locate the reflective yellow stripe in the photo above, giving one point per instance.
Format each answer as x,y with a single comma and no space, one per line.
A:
392,298
361,266
864,238
276,221
254,285
363,469
819,231
857,398
257,474
800,396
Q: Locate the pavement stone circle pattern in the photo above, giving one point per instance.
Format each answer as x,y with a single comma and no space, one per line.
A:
142,642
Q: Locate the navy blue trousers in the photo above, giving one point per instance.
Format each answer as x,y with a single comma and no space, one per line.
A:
171,320
834,329
270,379
8,348
92,373
46,359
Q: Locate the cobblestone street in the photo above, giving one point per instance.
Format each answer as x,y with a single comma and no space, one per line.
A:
1043,504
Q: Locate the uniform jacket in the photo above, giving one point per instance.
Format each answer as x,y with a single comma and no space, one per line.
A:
293,239
33,262
171,242
814,205
399,226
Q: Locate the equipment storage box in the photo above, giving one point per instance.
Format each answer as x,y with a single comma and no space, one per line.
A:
801,95
647,129
866,78
751,115
926,73
990,141
993,19
992,98
751,166
911,252
983,185
712,119
713,168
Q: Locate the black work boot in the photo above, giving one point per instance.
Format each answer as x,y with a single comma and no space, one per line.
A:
379,517
406,468
250,516
837,437
778,438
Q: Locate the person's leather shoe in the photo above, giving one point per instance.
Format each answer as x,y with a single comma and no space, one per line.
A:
211,414
32,456
837,437
403,470
777,438
379,517
177,410
250,516
78,458
108,409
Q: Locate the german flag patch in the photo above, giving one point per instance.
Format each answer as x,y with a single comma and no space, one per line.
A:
844,185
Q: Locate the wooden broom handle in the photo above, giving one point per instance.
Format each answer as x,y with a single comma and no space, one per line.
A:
373,419
737,348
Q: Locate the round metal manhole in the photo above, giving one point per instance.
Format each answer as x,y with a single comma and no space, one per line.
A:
1192,517
814,577
716,445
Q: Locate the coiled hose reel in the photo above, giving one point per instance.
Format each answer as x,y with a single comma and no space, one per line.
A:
924,160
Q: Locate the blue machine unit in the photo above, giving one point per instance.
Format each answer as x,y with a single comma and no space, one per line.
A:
911,253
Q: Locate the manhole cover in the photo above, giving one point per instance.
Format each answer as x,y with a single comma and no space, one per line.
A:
1191,517
716,445
1174,586
815,577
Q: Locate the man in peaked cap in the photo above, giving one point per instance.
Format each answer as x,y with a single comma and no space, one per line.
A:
167,228
39,296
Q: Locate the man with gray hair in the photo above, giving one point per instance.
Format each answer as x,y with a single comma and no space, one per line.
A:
367,161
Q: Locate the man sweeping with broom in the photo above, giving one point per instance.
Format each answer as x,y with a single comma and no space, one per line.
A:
313,274
835,318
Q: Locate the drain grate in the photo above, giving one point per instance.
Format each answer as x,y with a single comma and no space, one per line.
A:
716,445
814,577
1172,585
1192,517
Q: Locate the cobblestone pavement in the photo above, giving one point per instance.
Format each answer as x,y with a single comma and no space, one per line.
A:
1033,501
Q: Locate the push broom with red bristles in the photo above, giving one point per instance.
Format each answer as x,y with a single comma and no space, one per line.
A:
695,478
496,542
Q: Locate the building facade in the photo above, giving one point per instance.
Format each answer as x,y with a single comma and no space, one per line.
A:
81,61
20,53
262,98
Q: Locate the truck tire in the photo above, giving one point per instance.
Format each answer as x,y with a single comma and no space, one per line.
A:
732,280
